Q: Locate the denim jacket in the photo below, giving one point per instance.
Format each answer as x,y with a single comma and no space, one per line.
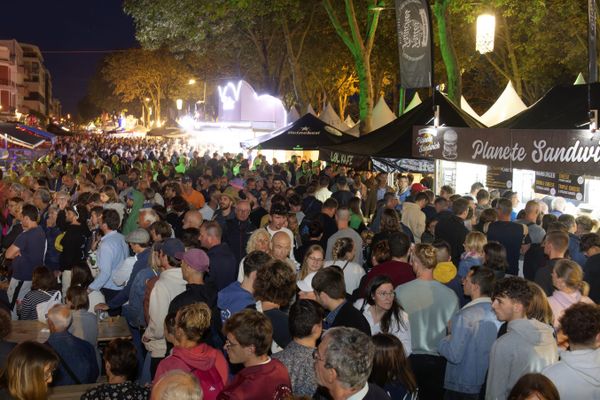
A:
133,311
467,349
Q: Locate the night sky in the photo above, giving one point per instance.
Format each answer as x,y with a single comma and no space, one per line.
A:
69,25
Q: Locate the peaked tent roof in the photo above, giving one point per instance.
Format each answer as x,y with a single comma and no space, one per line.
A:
307,133
349,121
468,109
292,115
416,100
311,110
330,117
508,104
394,140
563,107
382,115
580,80
22,135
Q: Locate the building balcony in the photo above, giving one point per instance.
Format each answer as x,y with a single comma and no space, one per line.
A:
7,82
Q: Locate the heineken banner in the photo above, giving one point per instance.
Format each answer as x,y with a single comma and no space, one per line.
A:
574,151
414,41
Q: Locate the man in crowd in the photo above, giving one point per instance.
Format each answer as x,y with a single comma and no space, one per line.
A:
330,292
238,230
577,374
224,266
277,221
249,336
227,204
574,240
390,201
510,234
471,333
375,194
343,363
534,238
194,265
528,345
451,228
555,247
177,385
112,250
590,245
192,219
342,219
413,217
327,219
323,192
78,363
191,195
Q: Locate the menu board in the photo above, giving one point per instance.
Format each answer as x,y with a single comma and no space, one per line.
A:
499,178
557,184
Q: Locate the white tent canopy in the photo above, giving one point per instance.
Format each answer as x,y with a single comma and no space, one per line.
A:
466,107
416,100
580,80
382,115
311,110
293,115
349,121
508,104
329,116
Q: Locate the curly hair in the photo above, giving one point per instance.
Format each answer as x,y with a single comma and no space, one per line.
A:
193,320
275,282
342,247
390,222
514,288
381,252
350,352
253,239
581,323
426,254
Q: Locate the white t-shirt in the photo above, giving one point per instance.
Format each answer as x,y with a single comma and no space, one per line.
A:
353,273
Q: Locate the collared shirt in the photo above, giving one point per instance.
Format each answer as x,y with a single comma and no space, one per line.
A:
332,315
112,250
360,394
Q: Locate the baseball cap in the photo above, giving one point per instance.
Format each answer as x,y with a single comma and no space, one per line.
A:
140,236
305,284
197,259
171,247
417,187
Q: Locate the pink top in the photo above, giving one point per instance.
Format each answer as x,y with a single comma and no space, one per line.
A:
560,301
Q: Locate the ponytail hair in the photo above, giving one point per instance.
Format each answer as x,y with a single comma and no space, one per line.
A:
572,274
342,247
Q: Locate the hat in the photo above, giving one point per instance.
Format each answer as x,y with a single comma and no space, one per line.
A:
231,193
139,236
305,284
444,272
417,188
171,247
197,259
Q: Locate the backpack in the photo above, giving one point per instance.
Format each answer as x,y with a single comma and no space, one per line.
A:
43,307
210,380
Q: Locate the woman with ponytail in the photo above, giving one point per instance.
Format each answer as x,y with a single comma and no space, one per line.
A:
567,278
343,254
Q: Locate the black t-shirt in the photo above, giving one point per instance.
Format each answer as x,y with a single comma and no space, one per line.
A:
511,235
281,331
592,276
343,197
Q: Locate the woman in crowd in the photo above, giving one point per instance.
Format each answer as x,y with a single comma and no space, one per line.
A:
82,277
313,261
390,222
313,233
567,278
258,240
391,369
28,372
382,311
191,354
85,323
534,387
474,254
343,254
120,363
110,200
357,220
495,258
43,287
487,216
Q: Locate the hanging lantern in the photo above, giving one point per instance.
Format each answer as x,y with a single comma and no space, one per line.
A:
179,103
486,27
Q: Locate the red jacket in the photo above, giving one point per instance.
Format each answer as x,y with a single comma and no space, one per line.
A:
201,357
269,381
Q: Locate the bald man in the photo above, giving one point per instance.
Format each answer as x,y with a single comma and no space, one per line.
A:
78,358
192,219
176,385
281,245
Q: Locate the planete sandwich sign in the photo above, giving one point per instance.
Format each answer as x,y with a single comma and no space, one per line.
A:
576,152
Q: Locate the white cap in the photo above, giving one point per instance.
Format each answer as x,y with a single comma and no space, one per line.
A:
305,284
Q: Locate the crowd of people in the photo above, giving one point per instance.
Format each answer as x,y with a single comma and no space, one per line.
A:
244,279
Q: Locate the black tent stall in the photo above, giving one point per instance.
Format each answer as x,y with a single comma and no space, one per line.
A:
306,133
390,147
20,136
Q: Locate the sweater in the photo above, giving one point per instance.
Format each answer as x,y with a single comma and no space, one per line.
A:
414,218
576,375
560,301
202,357
259,382
528,346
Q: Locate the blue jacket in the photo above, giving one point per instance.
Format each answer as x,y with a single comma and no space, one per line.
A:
78,354
574,251
134,310
465,264
467,349
233,298
123,296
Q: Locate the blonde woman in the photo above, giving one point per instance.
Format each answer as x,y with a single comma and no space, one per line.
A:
474,254
313,261
343,254
259,240
567,277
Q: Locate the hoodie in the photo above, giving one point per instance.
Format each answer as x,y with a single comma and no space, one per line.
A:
560,301
202,357
577,374
131,223
528,346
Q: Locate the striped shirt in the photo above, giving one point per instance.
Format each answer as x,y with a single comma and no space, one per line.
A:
31,300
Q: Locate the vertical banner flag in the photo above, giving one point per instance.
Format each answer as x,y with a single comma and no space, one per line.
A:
414,42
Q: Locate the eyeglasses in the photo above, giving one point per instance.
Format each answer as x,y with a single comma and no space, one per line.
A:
385,294
317,260
229,343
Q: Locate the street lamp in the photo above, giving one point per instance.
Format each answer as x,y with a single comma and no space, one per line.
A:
179,103
192,82
486,27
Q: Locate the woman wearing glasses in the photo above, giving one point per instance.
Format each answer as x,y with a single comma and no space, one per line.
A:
383,312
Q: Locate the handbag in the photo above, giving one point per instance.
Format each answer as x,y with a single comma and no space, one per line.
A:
43,307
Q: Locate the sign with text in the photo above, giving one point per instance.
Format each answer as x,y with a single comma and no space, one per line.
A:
559,184
499,178
576,151
413,25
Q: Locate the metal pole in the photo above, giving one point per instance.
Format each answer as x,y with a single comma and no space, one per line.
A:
592,56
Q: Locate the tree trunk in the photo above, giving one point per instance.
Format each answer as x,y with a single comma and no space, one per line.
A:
440,9
516,71
365,84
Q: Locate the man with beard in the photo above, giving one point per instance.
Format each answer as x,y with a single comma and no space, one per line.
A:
226,207
238,230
